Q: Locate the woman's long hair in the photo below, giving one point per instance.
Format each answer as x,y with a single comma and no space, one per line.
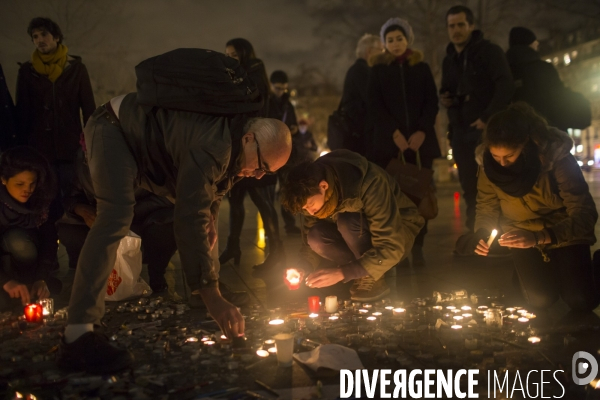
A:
244,50
25,158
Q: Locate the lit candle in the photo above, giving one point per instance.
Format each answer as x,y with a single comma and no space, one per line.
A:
272,350
371,318
465,308
313,304
529,315
458,318
389,308
33,313
455,311
467,315
450,308
437,308
209,342
376,314
276,321
398,311
456,327
191,339
492,237
262,353
482,309
534,339
331,304
205,339
511,309
523,319
333,318
522,311
292,278
47,306
367,305
363,311
313,315
513,316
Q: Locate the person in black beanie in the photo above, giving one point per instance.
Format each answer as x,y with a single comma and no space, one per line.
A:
537,82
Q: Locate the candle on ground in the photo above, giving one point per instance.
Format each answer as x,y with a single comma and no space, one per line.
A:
331,304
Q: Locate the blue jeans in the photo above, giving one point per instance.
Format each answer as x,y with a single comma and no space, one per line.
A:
341,242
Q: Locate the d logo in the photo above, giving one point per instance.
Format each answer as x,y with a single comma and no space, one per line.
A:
590,367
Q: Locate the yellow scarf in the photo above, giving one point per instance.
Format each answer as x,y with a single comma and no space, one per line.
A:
51,65
331,196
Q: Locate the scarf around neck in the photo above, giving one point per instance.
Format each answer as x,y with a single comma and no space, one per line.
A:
400,59
331,195
519,178
51,65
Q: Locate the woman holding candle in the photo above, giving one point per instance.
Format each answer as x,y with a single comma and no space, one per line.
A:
403,105
531,185
28,240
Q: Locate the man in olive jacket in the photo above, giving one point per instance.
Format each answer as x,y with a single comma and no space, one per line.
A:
53,91
354,215
191,158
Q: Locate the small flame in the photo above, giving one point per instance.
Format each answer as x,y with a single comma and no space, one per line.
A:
292,276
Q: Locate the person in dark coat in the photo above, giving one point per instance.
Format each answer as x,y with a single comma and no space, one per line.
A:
262,192
152,221
53,91
476,83
8,127
304,142
354,96
536,81
403,106
28,242
281,108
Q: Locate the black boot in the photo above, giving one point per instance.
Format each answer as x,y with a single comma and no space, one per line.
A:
275,258
232,250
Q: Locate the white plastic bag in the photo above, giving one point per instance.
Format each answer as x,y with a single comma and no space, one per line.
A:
124,281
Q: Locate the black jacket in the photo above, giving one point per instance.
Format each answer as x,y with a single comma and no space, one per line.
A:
257,73
479,78
282,109
354,103
538,84
401,96
49,113
306,147
18,215
144,211
8,127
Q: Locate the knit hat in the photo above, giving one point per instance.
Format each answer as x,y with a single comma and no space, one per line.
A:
521,36
401,23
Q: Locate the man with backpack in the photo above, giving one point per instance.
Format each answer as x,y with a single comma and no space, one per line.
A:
184,135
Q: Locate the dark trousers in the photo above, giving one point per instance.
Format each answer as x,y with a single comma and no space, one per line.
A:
343,242
568,275
426,162
263,198
158,246
463,144
19,261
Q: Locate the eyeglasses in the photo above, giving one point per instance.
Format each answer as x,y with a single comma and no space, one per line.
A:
261,168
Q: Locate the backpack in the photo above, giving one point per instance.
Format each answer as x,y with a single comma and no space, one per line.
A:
196,80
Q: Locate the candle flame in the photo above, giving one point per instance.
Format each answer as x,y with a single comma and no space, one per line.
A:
292,276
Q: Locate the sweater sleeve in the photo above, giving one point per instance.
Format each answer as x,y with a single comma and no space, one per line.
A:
581,209
488,204
504,87
430,107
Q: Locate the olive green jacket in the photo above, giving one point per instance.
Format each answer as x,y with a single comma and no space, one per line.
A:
560,201
390,216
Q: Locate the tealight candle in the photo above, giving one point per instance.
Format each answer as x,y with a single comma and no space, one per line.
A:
47,306
313,315
333,318
456,327
522,311
331,304
270,342
191,339
276,321
33,313
209,342
262,353
482,309
363,311
367,305
529,315
272,350
465,308
437,308
313,304
534,339
513,316
205,339
371,318
398,311
292,278
450,308
458,318
455,311
467,315
389,308
376,314
511,309
523,319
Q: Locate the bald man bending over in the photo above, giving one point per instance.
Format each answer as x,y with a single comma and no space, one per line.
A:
188,157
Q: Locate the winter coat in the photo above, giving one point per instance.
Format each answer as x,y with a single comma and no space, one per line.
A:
401,96
537,83
8,127
478,78
354,103
198,166
49,113
258,75
14,214
306,147
390,216
560,201
146,203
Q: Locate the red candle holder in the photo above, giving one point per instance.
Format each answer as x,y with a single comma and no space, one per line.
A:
313,304
292,278
34,313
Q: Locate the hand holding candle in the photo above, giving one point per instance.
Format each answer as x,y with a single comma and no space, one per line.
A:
483,248
492,237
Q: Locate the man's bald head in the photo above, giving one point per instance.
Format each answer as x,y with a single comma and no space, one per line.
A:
268,139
